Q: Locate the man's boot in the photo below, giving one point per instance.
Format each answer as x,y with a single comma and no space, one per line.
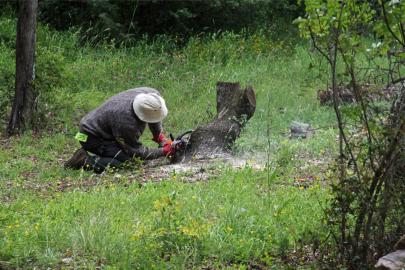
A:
100,164
78,160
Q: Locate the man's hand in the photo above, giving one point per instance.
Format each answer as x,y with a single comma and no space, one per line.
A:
160,139
169,149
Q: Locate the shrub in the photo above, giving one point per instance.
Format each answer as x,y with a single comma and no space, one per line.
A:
367,213
126,21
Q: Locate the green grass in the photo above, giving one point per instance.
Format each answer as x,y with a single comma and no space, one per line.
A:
236,218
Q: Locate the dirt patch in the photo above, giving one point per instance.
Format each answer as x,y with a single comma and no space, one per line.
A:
5,143
199,168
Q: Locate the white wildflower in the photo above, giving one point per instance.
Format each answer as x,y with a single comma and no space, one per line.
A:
376,45
394,2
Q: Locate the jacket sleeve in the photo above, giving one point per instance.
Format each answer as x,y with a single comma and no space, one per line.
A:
155,128
129,142
140,151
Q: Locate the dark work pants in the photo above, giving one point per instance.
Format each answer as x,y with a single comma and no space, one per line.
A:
107,153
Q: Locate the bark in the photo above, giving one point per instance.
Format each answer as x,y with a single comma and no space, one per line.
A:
235,106
24,99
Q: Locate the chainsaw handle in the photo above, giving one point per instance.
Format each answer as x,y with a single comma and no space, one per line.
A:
183,134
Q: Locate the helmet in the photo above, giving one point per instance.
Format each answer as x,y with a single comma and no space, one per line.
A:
150,107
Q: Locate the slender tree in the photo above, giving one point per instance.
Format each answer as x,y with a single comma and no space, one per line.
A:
366,214
24,99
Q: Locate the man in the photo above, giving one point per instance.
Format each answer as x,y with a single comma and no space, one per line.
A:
112,131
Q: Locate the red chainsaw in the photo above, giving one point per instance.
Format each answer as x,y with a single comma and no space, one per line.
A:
180,143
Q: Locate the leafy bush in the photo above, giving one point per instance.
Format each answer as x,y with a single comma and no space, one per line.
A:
50,68
367,213
8,32
7,83
125,21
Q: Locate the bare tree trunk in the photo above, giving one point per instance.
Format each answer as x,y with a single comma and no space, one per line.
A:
235,106
23,105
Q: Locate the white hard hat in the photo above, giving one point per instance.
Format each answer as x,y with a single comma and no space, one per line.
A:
150,107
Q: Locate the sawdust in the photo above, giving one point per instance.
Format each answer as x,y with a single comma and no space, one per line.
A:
199,168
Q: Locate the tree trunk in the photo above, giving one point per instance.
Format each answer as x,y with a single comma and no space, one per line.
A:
23,106
235,106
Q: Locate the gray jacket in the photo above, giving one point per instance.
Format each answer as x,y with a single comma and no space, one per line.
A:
115,120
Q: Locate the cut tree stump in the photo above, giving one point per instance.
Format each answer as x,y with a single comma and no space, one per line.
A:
235,106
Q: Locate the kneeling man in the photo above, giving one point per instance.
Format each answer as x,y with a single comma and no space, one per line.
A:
111,132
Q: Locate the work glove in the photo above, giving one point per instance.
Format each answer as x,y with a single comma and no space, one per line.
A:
160,139
169,149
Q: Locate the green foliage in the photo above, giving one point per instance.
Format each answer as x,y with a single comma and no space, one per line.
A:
7,63
366,198
328,21
50,76
350,23
390,28
127,21
49,71
7,78
8,32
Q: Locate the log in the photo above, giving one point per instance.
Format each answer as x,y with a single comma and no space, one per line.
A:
235,106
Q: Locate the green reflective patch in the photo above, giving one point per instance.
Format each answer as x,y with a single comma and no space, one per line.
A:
81,137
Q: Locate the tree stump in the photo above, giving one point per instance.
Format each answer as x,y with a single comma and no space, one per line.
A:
235,106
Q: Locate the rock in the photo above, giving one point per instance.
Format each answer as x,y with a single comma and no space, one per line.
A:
392,261
67,260
300,130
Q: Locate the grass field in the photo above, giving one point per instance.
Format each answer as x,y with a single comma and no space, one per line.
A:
56,218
